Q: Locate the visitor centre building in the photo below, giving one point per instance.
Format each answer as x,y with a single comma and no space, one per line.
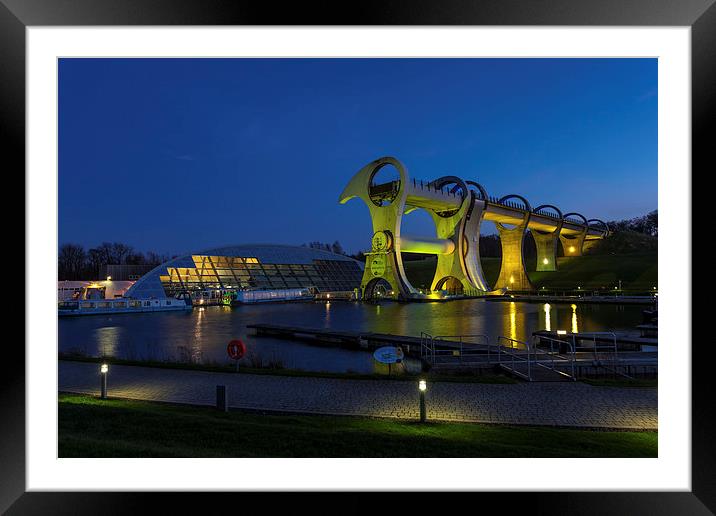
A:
252,273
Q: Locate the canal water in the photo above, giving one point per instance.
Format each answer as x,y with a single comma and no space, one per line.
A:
201,335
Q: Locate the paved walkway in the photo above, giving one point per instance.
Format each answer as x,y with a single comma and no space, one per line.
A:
559,403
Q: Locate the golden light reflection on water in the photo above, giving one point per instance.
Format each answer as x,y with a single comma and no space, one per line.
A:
513,320
196,344
547,317
108,340
575,327
199,323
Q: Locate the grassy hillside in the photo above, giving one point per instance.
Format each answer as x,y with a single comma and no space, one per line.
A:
636,272
625,242
630,257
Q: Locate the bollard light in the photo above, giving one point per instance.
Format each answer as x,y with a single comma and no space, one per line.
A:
103,369
422,387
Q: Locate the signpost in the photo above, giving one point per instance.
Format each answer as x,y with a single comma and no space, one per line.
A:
236,349
389,355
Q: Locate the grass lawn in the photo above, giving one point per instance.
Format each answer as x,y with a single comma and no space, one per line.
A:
623,382
90,427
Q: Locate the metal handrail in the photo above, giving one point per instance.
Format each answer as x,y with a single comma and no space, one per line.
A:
570,354
426,351
612,347
596,346
461,342
514,356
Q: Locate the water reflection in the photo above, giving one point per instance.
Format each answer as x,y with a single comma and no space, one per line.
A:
203,333
513,320
547,317
575,326
108,340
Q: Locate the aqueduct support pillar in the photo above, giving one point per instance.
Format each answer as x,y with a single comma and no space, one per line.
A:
546,243
513,274
589,243
573,245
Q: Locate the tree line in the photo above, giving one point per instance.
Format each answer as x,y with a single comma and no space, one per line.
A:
76,263
335,247
648,224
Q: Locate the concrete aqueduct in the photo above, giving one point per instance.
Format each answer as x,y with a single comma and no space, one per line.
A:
458,208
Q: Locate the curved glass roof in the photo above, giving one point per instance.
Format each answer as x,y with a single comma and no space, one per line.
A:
242,266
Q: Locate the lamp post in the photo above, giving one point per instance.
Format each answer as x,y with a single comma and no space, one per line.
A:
103,370
422,386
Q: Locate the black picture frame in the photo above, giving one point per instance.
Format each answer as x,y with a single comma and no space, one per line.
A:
16,15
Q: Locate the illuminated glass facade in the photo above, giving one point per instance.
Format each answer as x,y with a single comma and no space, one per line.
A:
251,268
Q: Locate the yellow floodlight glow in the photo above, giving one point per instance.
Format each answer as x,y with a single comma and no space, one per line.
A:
109,278
545,261
512,279
571,248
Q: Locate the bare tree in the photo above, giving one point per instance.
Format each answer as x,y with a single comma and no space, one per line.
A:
153,258
120,252
96,258
337,248
70,261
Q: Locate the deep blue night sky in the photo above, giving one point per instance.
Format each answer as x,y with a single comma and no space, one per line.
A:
176,155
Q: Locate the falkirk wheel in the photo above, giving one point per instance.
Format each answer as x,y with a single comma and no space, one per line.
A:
457,208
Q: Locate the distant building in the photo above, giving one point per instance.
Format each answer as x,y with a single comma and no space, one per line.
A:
79,290
262,267
125,272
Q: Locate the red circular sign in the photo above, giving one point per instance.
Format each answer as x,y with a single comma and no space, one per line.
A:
236,349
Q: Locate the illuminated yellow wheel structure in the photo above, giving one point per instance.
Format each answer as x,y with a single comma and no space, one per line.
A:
457,208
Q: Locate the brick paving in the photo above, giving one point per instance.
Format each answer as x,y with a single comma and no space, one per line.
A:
556,403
